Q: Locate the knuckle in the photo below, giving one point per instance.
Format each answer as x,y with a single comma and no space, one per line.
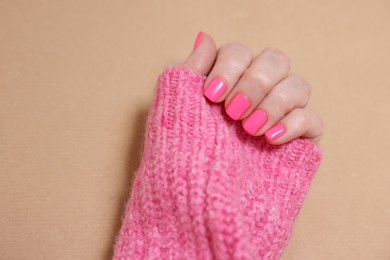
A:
236,47
301,118
263,79
283,102
278,55
314,124
233,67
301,84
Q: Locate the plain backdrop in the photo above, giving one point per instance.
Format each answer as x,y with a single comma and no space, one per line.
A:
76,82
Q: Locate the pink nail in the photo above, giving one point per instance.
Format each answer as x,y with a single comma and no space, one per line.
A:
255,121
275,132
237,106
198,39
215,89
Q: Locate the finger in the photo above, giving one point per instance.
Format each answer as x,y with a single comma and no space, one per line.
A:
232,61
292,92
203,55
298,123
265,71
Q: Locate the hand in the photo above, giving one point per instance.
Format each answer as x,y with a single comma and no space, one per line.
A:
258,90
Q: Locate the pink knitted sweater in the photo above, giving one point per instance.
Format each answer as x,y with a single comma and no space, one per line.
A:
205,188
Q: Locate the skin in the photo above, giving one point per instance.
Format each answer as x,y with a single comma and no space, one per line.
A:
265,80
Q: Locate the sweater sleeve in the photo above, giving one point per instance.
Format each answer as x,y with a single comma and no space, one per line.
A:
205,188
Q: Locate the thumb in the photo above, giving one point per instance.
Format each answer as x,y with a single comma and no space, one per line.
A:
202,57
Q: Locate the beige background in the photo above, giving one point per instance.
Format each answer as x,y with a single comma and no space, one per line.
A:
76,81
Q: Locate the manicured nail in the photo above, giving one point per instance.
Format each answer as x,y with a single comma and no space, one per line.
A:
255,121
275,132
198,39
237,106
215,89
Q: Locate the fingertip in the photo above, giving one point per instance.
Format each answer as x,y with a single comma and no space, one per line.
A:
203,55
198,39
299,123
275,132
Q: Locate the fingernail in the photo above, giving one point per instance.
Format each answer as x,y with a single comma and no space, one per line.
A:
237,106
275,132
198,39
215,89
255,121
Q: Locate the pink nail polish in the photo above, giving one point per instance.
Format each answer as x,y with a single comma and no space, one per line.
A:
275,132
198,39
215,89
255,121
237,106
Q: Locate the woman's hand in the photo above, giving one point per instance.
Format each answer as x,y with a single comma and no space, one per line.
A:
258,90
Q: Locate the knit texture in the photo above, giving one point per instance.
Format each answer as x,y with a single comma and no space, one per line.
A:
205,188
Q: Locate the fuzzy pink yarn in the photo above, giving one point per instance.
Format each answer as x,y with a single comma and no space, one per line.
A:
205,188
